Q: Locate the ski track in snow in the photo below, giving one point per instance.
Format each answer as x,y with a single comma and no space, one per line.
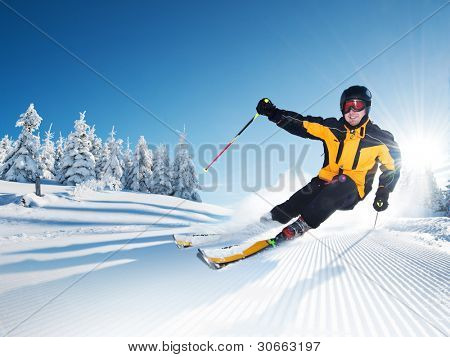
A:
131,280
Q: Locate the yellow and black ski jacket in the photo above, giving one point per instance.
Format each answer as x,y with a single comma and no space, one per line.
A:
352,151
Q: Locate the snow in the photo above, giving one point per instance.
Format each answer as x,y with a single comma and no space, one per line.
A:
105,264
432,231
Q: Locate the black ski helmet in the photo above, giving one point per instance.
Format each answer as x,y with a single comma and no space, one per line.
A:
357,92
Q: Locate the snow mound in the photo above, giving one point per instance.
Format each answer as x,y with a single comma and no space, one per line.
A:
60,211
432,231
32,200
438,227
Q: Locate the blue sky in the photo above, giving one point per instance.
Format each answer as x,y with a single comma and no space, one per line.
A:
205,64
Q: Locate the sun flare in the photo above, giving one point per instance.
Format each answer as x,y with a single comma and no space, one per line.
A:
424,152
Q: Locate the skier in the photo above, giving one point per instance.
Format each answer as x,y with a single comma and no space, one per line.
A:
353,147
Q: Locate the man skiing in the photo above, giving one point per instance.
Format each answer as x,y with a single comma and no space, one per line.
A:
353,147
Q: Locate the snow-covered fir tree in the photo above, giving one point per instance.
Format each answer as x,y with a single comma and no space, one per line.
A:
435,198
78,164
142,167
114,166
96,150
21,164
426,197
128,166
59,153
101,164
6,145
447,199
161,182
185,181
47,157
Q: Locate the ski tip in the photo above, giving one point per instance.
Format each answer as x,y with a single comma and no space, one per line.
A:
181,244
202,256
175,241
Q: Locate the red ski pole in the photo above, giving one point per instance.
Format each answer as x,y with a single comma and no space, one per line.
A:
230,143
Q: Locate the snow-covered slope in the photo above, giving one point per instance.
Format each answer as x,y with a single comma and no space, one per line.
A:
105,264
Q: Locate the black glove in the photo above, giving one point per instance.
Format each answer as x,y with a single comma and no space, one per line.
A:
381,199
266,107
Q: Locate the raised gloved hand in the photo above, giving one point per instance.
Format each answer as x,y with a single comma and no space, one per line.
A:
265,107
381,199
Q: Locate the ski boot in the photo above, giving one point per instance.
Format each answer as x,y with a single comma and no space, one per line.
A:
295,229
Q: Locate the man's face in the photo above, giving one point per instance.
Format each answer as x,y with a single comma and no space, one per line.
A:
353,118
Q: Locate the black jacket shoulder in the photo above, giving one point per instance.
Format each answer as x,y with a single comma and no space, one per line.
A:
382,135
333,123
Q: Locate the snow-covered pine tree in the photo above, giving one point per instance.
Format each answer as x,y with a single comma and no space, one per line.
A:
434,199
161,182
128,166
21,164
447,199
47,157
142,167
101,164
6,144
78,164
185,181
96,150
59,153
114,166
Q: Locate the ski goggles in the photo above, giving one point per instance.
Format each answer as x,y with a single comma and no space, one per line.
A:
355,104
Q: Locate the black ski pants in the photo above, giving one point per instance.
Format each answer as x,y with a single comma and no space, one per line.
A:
318,200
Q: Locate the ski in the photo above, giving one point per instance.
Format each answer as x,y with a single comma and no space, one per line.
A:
221,257
218,258
189,240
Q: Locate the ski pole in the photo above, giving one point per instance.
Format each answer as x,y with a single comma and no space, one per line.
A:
231,142
376,217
